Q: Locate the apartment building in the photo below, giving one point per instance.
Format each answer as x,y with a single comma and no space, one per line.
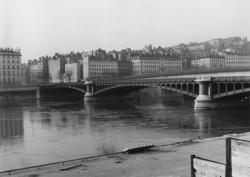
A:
209,62
10,66
96,68
234,60
140,66
36,72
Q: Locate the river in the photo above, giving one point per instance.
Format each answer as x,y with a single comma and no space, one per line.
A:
34,132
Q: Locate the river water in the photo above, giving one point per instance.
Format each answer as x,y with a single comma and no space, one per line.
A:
35,132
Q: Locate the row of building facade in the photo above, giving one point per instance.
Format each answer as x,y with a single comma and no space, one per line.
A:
223,60
101,65
92,66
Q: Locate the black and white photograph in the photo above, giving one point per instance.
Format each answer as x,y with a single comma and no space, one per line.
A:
124,88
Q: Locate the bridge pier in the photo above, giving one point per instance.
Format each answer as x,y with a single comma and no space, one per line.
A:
205,98
89,95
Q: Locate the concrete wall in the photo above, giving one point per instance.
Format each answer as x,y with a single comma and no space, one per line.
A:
85,67
54,69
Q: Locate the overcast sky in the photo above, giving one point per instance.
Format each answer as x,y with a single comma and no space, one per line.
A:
43,27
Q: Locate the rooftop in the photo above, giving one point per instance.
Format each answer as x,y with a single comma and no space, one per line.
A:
10,51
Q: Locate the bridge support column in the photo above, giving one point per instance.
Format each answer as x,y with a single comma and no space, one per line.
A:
204,99
38,95
90,91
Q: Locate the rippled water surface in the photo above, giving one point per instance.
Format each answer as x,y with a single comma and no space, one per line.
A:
34,132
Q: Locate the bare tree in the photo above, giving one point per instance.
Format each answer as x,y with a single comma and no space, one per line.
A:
68,75
60,76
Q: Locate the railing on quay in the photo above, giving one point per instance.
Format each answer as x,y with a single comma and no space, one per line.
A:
85,159
37,167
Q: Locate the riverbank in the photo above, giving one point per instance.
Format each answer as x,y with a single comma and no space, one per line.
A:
165,161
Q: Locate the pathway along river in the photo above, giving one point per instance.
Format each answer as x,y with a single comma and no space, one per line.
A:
46,131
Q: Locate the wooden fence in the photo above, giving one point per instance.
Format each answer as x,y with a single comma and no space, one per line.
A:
201,167
238,157
237,162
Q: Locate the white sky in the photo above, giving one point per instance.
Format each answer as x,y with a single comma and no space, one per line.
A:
43,27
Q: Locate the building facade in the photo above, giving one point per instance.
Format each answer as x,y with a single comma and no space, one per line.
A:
24,73
209,63
36,71
228,60
10,67
124,68
95,68
244,61
140,66
234,60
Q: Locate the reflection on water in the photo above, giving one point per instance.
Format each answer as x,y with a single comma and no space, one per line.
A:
51,130
11,122
218,122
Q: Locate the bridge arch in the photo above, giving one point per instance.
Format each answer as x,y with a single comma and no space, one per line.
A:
230,93
77,89
143,85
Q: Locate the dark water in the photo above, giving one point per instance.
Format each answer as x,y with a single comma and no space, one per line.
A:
34,132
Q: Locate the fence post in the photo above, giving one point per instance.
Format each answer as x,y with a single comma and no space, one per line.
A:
228,158
192,166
